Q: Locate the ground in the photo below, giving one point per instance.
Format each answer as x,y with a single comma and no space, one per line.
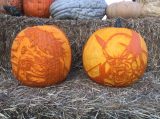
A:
79,97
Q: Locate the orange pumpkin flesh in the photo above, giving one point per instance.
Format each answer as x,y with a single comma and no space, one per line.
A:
40,56
37,8
115,56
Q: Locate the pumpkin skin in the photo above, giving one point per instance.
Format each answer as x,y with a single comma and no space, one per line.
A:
125,9
37,8
40,56
15,3
78,9
115,57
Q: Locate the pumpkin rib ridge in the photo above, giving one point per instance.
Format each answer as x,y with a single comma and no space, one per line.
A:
71,4
36,8
69,15
55,11
67,10
78,10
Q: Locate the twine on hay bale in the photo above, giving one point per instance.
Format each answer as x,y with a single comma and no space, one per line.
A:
79,97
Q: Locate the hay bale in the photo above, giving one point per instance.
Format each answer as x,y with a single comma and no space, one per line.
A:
78,33
79,97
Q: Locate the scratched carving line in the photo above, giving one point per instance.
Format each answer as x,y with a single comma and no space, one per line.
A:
25,64
59,50
121,67
13,56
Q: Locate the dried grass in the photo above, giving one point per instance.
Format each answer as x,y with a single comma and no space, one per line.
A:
78,97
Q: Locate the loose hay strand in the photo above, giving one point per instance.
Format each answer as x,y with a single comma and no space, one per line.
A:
79,97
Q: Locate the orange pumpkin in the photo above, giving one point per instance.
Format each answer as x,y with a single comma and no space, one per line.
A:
41,56
16,3
37,8
115,56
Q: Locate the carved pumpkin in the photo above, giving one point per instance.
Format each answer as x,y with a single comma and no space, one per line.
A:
78,9
40,56
37,8
15,3
115,56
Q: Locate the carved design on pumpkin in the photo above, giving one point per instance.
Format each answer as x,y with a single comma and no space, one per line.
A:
39,58
123,69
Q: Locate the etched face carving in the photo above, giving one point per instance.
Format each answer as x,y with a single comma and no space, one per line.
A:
41,57
119,56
